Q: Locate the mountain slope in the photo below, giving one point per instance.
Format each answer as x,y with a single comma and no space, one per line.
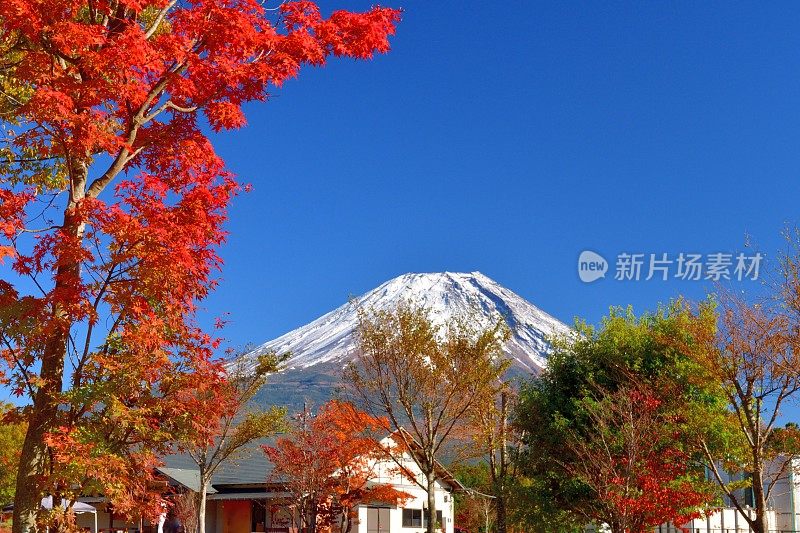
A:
321,348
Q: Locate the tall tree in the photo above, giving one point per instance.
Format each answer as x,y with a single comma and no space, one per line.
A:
241,424
424,379
112,202
329,463
752,352
614,403
494,437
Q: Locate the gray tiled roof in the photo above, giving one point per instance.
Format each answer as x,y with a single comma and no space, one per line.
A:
250,467
189,478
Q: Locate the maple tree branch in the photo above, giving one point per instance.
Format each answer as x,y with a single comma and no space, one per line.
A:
169,104
78,373
124,155
25,376
36,282
159,18
40,230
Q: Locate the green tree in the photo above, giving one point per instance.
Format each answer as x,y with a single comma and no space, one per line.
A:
12,433
582,429
475,509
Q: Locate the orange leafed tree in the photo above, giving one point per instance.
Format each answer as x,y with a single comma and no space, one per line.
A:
425,379
112,201
750,349
329,463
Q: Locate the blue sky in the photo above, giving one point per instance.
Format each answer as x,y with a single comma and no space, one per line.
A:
507,138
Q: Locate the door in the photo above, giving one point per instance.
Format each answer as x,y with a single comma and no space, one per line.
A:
377,520
236,514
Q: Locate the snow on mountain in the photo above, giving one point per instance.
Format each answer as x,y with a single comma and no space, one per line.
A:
329,340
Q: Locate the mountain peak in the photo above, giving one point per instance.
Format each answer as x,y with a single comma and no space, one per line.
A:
330,339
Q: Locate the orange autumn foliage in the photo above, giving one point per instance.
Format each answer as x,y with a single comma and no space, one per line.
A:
329,463
112,205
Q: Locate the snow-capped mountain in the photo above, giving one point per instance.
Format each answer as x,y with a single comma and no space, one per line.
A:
328,343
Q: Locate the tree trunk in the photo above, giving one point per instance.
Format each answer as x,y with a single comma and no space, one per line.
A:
44,411
347,520
34,457
312,526
431,484
201,504
760,525
500,477
500,512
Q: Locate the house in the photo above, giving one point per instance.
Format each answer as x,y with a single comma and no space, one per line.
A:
243,499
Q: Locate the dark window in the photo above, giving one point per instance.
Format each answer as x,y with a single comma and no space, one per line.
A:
749,497
412,517
438,518
258,515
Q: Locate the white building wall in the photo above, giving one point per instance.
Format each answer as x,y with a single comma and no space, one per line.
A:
724,520
390,472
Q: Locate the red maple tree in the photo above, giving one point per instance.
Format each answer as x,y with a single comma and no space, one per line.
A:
112,201
630,457
329,463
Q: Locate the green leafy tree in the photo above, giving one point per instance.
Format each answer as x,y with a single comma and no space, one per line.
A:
534,510
591,451
12,433
474,510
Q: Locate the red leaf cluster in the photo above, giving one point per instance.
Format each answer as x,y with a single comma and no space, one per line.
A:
649,482
330,463
112,102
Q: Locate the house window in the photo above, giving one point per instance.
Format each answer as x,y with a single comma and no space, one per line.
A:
438,518
749,497
413,518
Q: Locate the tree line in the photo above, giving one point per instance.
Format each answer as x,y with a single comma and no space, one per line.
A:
638,421
651,419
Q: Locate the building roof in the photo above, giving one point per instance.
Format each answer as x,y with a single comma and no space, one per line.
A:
227,496
189,478
250,467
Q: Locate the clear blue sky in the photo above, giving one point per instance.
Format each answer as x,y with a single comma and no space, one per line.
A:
507,138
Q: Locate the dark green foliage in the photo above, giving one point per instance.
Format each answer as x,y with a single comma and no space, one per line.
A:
624,352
